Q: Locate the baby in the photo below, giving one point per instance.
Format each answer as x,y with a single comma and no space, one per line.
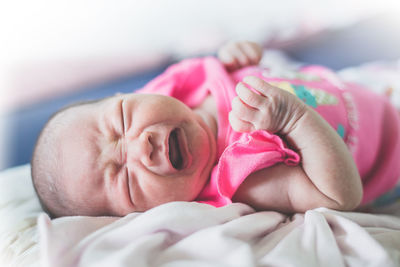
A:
216,131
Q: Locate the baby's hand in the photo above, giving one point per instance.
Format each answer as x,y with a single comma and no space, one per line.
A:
235,55
271,109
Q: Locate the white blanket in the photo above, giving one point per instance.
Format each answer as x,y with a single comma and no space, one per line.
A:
193,234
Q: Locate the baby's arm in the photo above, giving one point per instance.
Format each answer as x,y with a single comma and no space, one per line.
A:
327,175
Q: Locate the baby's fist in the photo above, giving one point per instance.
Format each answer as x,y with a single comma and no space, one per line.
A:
235,55
269,108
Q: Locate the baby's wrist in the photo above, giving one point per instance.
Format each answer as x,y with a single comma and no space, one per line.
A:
298,113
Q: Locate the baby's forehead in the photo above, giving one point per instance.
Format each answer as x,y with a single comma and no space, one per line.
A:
75,133
77,118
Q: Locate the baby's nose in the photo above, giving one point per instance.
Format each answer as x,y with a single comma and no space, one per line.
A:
141,149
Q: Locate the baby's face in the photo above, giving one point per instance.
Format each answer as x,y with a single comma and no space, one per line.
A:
133,152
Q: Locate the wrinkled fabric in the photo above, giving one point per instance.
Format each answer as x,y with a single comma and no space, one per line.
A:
194,234
252,152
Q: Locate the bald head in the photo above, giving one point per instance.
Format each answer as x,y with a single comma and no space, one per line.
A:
48,167
45,167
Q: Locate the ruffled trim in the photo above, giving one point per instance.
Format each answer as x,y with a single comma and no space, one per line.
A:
252,152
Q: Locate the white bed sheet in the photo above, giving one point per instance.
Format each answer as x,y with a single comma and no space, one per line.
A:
19,209
191,234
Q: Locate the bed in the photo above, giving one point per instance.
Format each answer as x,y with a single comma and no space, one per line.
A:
192,234
195,234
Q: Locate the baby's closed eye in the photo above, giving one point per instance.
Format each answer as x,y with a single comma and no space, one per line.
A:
122,117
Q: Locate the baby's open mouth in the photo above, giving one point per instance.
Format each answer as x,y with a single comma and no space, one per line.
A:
175,153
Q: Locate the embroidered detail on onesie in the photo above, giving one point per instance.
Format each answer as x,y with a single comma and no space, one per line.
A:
352,117
351,110
305,95
323,98
285,86
311,96
340,130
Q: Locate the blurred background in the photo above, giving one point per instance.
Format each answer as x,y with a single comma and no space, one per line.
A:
53,53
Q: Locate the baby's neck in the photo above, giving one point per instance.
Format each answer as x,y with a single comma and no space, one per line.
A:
208,111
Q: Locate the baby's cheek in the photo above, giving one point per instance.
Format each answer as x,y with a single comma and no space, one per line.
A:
171,189
185,190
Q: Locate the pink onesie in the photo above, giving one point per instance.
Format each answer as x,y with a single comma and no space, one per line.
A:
368,124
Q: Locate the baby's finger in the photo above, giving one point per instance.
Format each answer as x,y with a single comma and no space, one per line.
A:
252,51
240,56
238,124
243,111
227,58
249,97
260,85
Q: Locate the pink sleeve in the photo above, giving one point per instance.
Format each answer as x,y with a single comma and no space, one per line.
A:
252,152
